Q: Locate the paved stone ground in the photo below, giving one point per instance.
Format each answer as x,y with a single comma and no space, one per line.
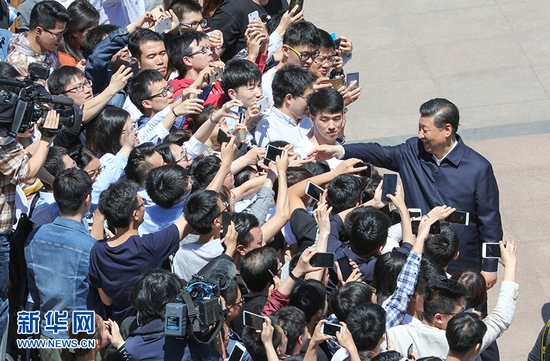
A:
492,59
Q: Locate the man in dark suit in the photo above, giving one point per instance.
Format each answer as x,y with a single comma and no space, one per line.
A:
437,168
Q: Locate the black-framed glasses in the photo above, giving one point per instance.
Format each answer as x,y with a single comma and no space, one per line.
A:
195,24
57,36
203,50
325,59
305,56
97,172
141,205
238,303
163,93
80,87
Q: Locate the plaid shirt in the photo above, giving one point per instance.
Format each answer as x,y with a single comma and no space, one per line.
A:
14,168
396,305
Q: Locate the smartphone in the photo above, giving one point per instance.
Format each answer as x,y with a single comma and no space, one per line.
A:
253,320
330,329
222,137
216,75
135,68
351,77
390,183
164,25
337,43
459,218
415,213
253,16
490,250
314,191
336,83
226,222
237,353
272,152
323,259
345,267
263,104
434,228
293,3
409,351
364,173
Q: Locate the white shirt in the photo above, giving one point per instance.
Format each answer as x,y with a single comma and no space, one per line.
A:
267,80
278,126
305,146
192,257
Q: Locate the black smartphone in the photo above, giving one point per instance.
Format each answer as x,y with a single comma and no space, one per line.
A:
459,217
237,353
345,267
314,191
293,3
337,43
390,183
253,320
364,173
330,329
322,259
222,137
226,221
135,68
272,152
434,228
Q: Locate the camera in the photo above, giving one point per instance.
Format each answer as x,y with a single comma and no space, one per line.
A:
18,110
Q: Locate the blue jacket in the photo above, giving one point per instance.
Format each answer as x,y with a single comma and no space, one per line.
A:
464,180
57,256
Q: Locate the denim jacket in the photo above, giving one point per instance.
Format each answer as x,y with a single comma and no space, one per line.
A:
57,256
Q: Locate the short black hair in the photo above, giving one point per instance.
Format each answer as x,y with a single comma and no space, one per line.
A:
343,192
367,325
309,296
54,163
201,209
140,36
166,152
244,175
103,136
238,73
153,290
96,35
316,168
181,46
166,184
429,273
302,33
256,266
326,40
369,231
293,322
244,222
139,90
443,111
138,165
464,331
441,248
203,171
328,100
47,14
82,155
290,79
474,284
253,341
118,202
388,356
386,269
441,296
202,117
70,188
58,79
345,299
178,136
181,7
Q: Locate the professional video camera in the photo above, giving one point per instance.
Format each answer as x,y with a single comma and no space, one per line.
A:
197,312
33,103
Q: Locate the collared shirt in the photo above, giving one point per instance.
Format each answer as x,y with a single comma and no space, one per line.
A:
14,168
276,125
438,161
267,80
305,146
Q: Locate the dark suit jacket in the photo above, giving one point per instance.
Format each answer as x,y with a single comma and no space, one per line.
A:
464,180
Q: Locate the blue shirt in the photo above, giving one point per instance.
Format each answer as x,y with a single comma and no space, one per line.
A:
276,125
464,180
57,256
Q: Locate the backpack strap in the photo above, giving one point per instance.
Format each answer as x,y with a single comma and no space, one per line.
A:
35,199
544,340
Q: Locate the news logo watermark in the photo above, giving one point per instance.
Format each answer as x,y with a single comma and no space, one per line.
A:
28,323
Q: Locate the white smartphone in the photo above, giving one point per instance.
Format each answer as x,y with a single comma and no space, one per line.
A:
253,16
314,191
263,104
164,25
415,213
237,353
490,250
459,217
272,152
330,329
253,320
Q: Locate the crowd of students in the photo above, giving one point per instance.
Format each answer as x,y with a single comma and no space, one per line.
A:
170,172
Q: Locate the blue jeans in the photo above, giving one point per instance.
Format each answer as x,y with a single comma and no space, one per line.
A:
4,279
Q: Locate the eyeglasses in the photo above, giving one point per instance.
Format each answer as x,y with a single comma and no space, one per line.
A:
325,59
163,93
305,56
79,88
97,172
195,24
184,156
454,313
238,303
204,50
56,36
141,205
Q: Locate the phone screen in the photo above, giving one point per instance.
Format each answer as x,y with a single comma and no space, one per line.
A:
345,267
434,228
272,152
492,250
135,68
293,3
237,353
314,191
253,320
415,212
390,183
330,329
222,137
226,221
322,260
351,77
459,218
